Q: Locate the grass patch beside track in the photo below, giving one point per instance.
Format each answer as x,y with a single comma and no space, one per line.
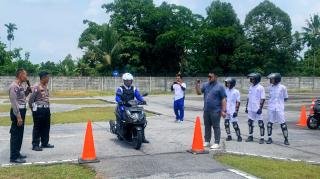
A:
78,101
5,107
47,171
95,114
270,168
76,116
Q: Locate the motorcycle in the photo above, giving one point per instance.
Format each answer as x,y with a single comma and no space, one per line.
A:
133,121
313,121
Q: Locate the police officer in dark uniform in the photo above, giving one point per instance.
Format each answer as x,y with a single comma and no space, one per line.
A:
39,103
17,95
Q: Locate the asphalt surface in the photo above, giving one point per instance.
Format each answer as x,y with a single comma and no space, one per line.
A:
166,156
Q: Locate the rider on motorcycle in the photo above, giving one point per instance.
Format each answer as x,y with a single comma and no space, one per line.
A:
125,93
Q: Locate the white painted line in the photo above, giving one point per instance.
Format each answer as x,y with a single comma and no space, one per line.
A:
41,163
27,163
272,157
51,162
243,174
6,165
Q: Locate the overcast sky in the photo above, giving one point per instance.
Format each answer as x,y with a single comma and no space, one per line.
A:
50,29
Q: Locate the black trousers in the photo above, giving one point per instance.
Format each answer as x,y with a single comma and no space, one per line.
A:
16,134
41,126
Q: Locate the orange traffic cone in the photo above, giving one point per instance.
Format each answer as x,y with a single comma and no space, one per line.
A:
197,145
89,152
303,117
311,106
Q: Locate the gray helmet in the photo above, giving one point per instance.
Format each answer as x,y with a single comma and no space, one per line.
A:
230,80
255,78
276,77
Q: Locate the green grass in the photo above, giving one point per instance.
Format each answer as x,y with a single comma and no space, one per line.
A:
270,168
78,101
80,93
76,116
49,171
5,107
83,114
95,114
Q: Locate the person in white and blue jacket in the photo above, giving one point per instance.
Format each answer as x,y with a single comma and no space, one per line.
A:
127,92
178,87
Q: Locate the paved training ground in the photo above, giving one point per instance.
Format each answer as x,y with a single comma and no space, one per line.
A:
166,155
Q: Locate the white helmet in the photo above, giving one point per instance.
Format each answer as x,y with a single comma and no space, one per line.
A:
127,76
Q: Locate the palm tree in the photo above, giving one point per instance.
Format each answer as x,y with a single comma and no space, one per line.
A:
11,27
311,36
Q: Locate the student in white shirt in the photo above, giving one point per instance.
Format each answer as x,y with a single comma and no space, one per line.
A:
178,87
255,102
277,96
233,104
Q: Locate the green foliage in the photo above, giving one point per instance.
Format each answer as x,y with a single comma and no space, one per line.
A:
268,29
221,36
311,37
145,39
11,27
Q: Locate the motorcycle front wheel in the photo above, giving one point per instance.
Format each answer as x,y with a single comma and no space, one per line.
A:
137,139
312,122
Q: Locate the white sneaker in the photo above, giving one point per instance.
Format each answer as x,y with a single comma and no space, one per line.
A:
206,144
215,146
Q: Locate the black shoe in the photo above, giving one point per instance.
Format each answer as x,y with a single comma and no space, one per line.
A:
228,138
18,160
239,139
269,141
286,142
261,141
22,156
47,146
145,141
249,139
36,148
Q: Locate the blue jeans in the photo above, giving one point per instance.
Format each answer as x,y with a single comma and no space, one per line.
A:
178,107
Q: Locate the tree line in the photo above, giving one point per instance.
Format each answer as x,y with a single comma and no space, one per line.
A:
145,39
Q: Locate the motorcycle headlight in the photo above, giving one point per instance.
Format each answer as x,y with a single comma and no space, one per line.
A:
135,117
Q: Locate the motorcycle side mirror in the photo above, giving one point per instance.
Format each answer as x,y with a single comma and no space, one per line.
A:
145,94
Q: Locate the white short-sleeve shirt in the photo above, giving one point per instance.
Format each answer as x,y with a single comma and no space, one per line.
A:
256,93
277,95
233,96
178,92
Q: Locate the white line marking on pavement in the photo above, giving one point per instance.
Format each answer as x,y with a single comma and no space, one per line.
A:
27,163
243,174
271,157
41,163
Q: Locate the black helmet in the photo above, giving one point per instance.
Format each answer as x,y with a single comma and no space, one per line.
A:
276,77
232,82
256,77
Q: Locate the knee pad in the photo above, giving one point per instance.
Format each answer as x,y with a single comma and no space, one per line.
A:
269,128
250,122
261,124
235,125
227,123
283,126
284,130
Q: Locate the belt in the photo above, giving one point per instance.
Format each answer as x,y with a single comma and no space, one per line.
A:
22,106
43,106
